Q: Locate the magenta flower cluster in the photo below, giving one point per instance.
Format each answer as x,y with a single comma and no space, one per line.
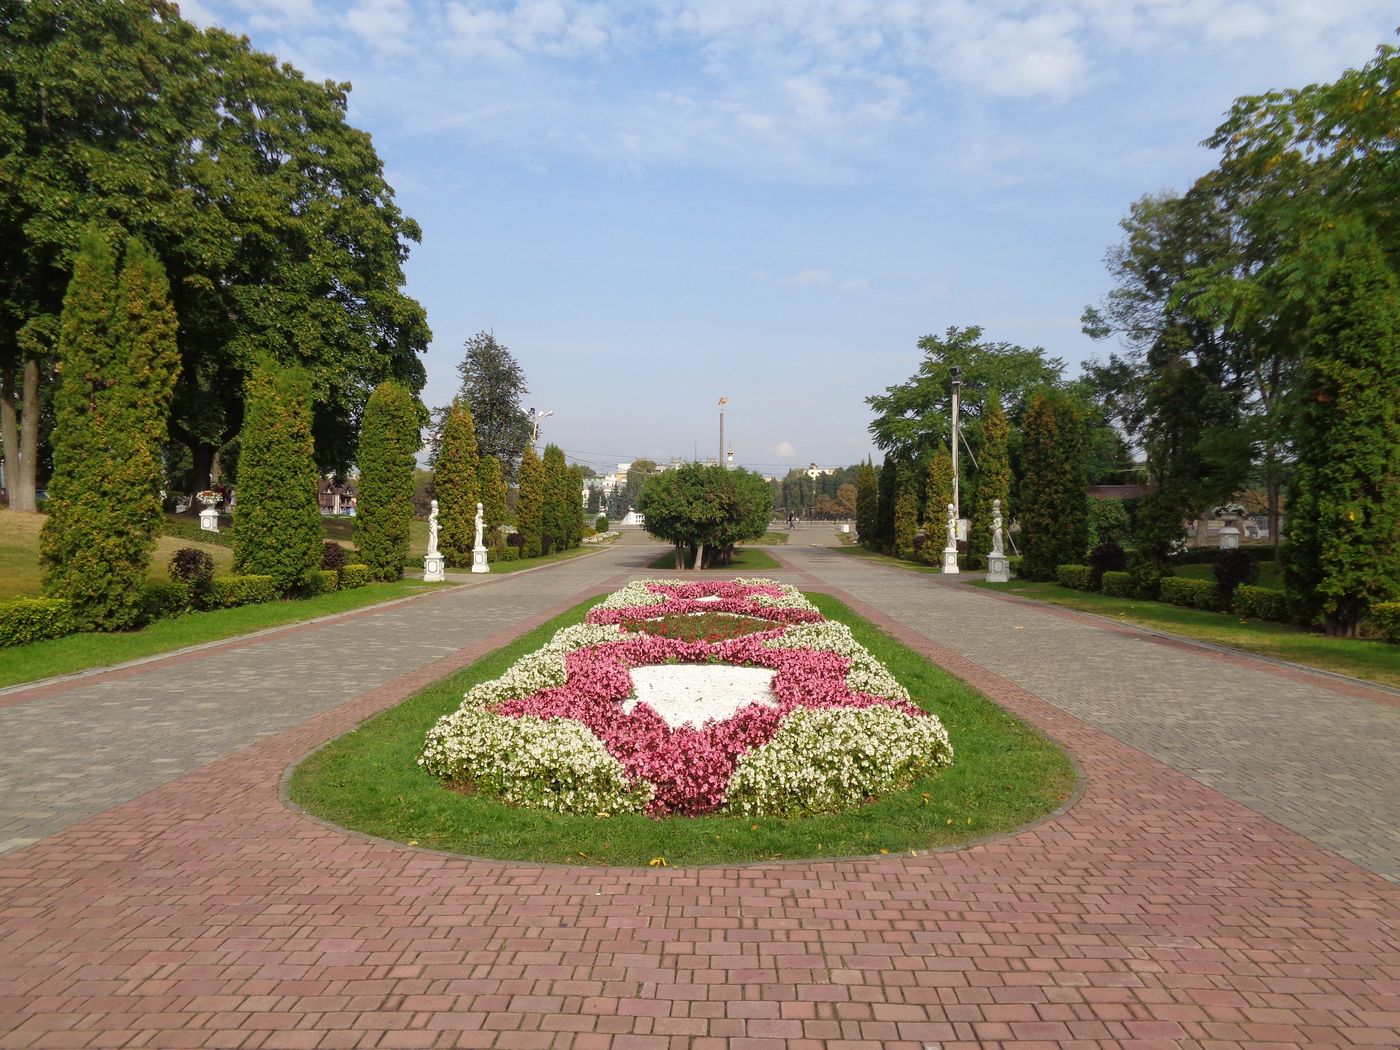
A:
690,768
724,596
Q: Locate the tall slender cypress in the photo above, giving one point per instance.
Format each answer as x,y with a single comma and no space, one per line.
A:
493,499
867,504
529,504
389,441
993,477
457,485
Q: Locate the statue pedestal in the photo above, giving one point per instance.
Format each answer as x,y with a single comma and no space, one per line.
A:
1229,538
432,568
479,563
209,519
950,561
998,568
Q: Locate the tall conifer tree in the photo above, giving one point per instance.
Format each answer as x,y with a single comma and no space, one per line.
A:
993,476
867,504
493,500
456,482
939,493
389,442
529,504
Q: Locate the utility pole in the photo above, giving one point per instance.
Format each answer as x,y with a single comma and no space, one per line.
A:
722,402
535,418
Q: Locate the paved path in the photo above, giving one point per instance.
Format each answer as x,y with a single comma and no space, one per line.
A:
1157,912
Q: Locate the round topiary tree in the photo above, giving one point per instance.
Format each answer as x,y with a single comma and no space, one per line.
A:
389,441
279,517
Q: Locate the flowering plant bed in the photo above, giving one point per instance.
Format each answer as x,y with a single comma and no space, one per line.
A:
818,725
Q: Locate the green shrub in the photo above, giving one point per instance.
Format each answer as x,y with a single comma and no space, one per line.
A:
1118,584
1261,603
320,581
1147,578
183,527
227,591
1077,577
162,599
1106,557
25,620
1386,617
1192,593
601,525
356,575
194,568
507,553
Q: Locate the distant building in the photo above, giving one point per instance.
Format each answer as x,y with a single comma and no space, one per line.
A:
336,499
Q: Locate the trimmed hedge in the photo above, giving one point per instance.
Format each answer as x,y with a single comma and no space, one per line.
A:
1206,555
1118,585
320,581
356,575
25,620
161,599
184,528
1192,593
1386,616
227,591
1077,577
1261,603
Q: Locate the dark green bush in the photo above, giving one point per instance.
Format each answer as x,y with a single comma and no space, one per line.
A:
332,556
162,599
601,525
1386,617
1191,593
25,620
227,591
1232,568
1077,577
320,581
355,575
1147,578
195,569
1106,557
184,527
1261,603
1118,585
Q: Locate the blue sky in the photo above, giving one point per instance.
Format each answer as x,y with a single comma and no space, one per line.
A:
656,203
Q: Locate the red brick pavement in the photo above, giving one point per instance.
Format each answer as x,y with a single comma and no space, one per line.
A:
1154,913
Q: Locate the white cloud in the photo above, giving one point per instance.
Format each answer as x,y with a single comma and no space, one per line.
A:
783,450
810,279
384,24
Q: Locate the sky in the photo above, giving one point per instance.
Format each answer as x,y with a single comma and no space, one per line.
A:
658,203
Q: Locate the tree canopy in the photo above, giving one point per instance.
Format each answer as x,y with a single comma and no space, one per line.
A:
492,385
268,211
706,508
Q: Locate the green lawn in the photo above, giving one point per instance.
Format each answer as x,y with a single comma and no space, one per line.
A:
745,559
1372,660
80,652
770,538
19,555
1005,775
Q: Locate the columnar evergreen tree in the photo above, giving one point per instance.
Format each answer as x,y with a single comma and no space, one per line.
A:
557,515
867,504
118,362
1054,510
457,485
1343,550
1071,429
578,518
993,477
906,514
389,443
278,531
888,483
938,493
493,500
529,504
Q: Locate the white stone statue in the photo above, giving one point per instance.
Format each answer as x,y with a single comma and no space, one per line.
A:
952,527
479,522
433,529
996,527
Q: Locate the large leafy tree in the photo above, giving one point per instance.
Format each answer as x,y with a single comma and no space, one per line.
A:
457,485
389,440
706,510
118,361
492,384
913,417
278,530
269,212
1343,551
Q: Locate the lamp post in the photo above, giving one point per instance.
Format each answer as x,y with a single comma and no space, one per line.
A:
957,390
722,402
535,418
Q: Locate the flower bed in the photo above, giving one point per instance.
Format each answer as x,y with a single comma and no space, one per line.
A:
556,730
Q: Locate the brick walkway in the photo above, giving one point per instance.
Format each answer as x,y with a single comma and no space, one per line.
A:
1157,912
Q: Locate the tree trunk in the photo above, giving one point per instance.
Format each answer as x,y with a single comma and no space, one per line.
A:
680,557
699,557
202,455
19,427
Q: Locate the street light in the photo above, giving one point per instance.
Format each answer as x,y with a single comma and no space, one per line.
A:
722,402
957,388
535,418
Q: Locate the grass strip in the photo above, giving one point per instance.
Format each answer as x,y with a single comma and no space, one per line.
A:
1005,775
1374,661
744,559
81,652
